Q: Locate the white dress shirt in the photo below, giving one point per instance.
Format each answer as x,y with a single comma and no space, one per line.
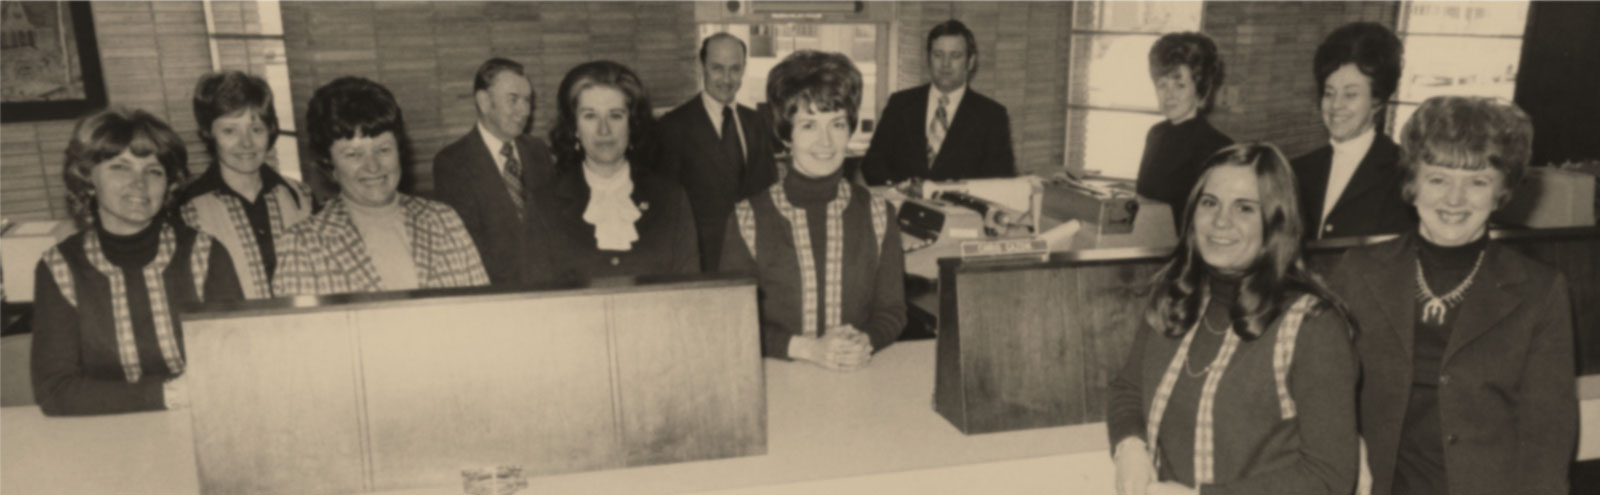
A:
1346,157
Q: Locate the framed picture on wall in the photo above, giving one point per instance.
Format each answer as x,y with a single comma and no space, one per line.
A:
50,60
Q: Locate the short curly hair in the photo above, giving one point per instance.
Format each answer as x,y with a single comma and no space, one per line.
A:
105,134
825,81
601,73
1467,133
220,94
349,106
1195,51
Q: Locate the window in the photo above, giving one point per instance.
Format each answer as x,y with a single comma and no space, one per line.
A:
1457,48
1111,103
248,36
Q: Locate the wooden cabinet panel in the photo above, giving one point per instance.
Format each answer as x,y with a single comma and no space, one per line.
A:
689,375
274,404
481,384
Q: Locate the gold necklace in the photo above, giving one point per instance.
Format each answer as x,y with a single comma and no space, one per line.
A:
1206,370
1433,306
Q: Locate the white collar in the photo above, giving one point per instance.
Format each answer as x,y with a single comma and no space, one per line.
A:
494,145
955,97
1358,144
714,107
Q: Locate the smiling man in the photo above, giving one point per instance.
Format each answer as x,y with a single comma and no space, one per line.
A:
942,130
718,150
487,174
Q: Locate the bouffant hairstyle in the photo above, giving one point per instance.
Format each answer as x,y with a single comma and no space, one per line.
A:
1278,274
1195,51
105,134
1372,48
602,73
351,106
822,81
220,94
1467,133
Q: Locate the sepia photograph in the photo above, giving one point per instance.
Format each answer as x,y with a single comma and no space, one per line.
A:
1101,247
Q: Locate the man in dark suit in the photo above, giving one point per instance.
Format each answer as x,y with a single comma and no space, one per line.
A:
962,134
717,149
487,174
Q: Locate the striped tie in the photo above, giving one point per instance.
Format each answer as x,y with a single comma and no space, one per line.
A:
513,175
938,128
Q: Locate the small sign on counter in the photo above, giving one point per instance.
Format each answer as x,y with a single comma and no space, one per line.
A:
1006,249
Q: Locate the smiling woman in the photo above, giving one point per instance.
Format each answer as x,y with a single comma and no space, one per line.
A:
240,199
106,333
372,237
831,267
1243,378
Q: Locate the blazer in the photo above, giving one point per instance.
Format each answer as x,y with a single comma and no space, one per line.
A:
1370,205
978,144
690,154
1507,397
326,255
563,244
466,178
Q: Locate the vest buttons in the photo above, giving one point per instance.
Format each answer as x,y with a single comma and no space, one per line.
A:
1327,227
615,261
1450,439
1444,379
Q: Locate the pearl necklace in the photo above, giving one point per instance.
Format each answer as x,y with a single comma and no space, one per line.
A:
1433,306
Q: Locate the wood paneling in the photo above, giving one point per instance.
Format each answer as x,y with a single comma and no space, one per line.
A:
477,384
273,403
373,396
714,407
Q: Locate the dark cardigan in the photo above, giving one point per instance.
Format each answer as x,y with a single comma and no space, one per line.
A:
873,287
1257,452
563,245
1172,158
75,364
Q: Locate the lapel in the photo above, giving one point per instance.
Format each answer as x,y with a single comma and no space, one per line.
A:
1315,174
572,198
919,133
1396,270
420,234
481,164
959,127
1493,296
705,135
757,173
1373,171
341,231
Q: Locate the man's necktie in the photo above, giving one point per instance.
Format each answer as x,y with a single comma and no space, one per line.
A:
938,128
513,176
730,138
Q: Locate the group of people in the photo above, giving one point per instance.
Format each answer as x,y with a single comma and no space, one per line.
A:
1439,362
1447,353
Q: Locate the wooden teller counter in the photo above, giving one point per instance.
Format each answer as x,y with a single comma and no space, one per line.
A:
652,386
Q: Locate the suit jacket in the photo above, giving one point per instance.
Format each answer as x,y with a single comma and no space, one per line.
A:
1370,205
326,255
563,244
1507,398
690,153
465,177
978,144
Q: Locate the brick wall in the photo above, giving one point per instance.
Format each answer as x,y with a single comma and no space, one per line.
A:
1022,63
151,53
427,52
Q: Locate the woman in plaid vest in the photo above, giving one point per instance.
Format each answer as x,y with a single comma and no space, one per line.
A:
240,200
830,269
106,337
371,237
1243,379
